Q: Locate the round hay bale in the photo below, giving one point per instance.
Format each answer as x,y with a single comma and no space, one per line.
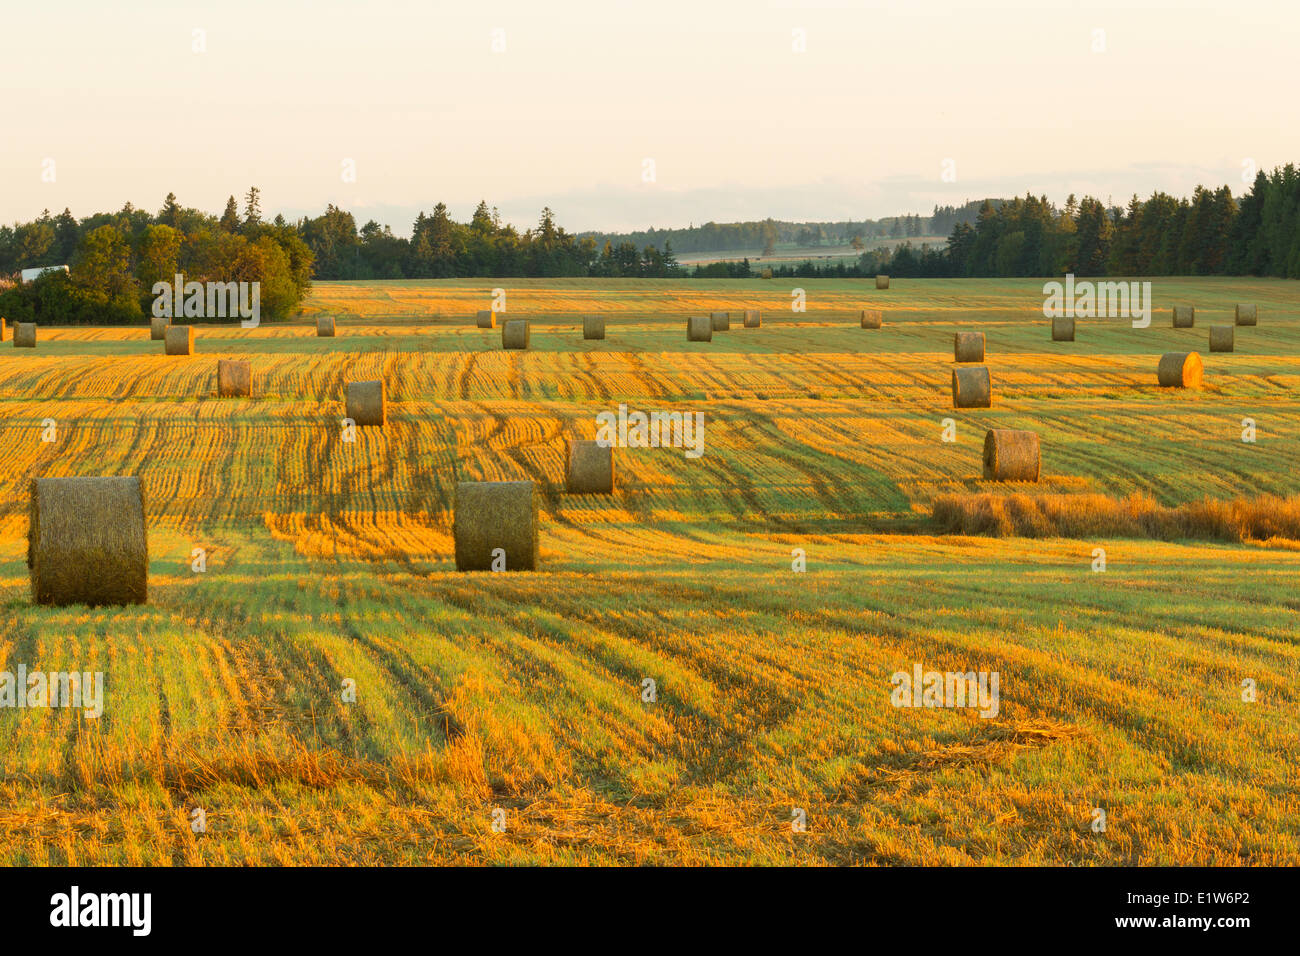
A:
721,321
4,330
752,319
1184,316
86,543
234,379
366,404
972,387
589,468
1246,314
968,347
495,514
486,319
593,326
514,334
871,318
1062,328
1180,370
882,282
158,328
699,328
1011,455
179,340
325,326
1221,337
25,335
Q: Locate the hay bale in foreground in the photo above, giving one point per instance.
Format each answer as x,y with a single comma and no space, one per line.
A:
366,404
1011,455
699,328
514,334
1062,328
721,321
86,543
1246,314
882,282
158,325
753,319
1221,338
1184,316
486,319
871,318
325,326
1180,370
589,468
593,326
495,514
234,379
25,335
968,347
179,340
972,387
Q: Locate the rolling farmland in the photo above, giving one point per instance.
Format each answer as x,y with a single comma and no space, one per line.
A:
331,561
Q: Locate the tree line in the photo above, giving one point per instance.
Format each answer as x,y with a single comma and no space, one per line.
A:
115,260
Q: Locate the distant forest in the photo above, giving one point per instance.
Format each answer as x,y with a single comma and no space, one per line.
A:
116,257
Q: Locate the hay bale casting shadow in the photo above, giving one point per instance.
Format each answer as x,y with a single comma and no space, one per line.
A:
1011,455
86,543
699,328
495,514
1180,370
972,387
514,334
871,318
589,468
968,347
179,340
366,404
234,379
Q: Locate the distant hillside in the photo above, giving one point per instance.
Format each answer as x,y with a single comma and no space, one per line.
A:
772,234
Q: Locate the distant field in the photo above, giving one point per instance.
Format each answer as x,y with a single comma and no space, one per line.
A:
787,252
522,692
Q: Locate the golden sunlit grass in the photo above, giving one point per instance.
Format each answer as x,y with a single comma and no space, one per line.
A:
332,562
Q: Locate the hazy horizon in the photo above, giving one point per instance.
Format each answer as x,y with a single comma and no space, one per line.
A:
739,125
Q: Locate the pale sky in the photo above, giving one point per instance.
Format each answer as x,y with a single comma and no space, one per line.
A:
739,125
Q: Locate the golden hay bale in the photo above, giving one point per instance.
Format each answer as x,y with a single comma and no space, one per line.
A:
234,379
25,335
325,326
495,514
86,542
753,320
1184,316
589,468
767,274
721,321
968,347
1180,370
699,328
1221,337
1011,455
1246,314
882,282
871,318
158,327
1062,328
3,329
514,334
486,319
593,326
972,387
366,404
179,340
